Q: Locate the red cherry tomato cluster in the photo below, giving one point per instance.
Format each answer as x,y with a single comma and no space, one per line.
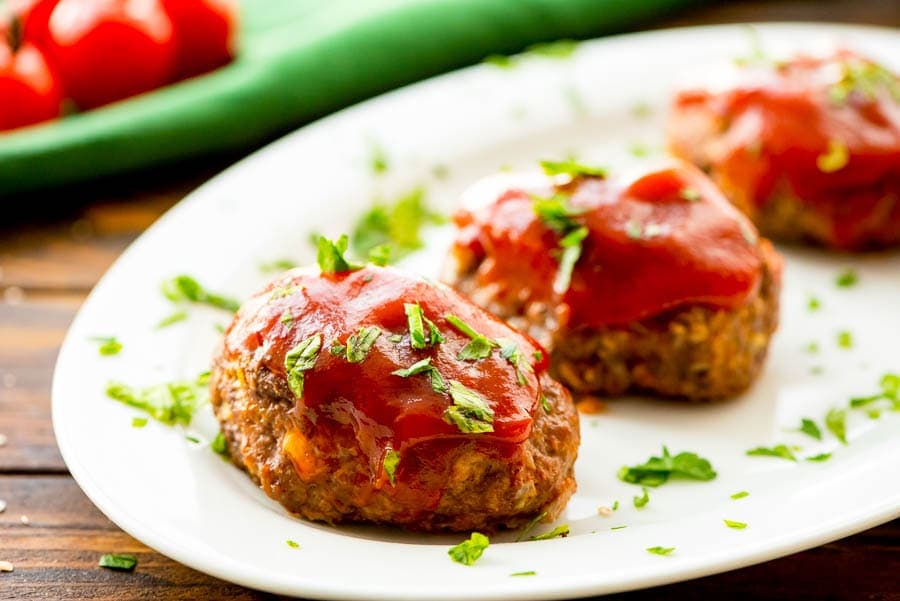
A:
94,52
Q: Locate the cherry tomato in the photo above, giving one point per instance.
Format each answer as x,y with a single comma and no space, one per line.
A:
204,33
107,50
29,89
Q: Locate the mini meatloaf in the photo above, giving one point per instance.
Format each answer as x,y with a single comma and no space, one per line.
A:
372,396
653,284
808,148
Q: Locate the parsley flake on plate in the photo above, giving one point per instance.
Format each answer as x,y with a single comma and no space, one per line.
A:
292,544
185,288
109,345
572,168
468,551
623,526
657,470
560,531
641,501
810,428
813,304
138,422
479,346
740,495
890,391
469,411
219,445
330,256
528,573
530,525
388,232
781,451
170,319
836,422
169,403
845,339
660,550
118,562
424,367
819,458
300,359
735,525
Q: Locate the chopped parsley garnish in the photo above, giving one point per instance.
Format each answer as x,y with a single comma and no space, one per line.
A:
835,158
169,403
419,338
330,256
359,344
623,526
845,339
810,428
819,457
284,291
469,412
138,422
109,345
556,213
118,562
558,50
479,346
689,194
389,231
615,505
637,231
219,445
781,451
863,78
286,318
561,531
890,391
740,495
812,348
642,500
545,404
468,551
300,359
573,168
530,525
509,350
424,367
657,470
735,525
660,550
378,160
185,288
192,439
171,319
396,338
814,304
846,279
836,422
528,573
337,349
277,265
638,150
292,544
571,252
391,461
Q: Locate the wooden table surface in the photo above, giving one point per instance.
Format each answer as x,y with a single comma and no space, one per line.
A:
54,247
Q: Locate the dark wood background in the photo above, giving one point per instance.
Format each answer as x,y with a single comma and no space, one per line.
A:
54,247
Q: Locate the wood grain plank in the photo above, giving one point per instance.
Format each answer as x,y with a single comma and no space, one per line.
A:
30,334
55,558
885,13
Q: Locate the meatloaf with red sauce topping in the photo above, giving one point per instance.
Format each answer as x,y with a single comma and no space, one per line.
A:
369,395
652,284
809,148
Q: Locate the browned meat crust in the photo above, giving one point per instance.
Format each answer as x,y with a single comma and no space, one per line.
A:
696,352
328,478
